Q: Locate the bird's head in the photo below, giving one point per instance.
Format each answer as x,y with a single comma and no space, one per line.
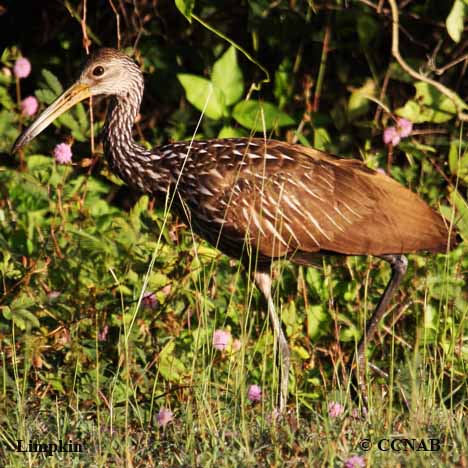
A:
107,72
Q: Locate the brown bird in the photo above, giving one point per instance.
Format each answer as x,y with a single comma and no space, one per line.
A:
260,200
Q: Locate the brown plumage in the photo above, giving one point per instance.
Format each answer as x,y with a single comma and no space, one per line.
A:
260,200
291,201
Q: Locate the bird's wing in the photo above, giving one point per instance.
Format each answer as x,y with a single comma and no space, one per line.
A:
286,199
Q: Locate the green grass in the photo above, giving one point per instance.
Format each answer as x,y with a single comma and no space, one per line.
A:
59,381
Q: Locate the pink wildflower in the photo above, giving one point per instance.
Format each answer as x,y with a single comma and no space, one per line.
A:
221,339
63,153
53,295
335,409
29,106
164,417
167,289
393,135
404,127
22,68
102,335
355,462
254,393
149,300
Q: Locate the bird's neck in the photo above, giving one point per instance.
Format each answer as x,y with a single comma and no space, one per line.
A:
139,167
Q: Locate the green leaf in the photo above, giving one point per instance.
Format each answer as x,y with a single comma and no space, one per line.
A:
157,280
38,162
140,207
397,73
23,318
317,284
81,116
367,29
18,313
321,138
5,99
301,352
454,152
171,368
284,82
259,115
52,81
227,76
45,95
458,163
69,121
185,7
352,333
198,90
456,19
428,105
462,206
316,320
231,132
358,103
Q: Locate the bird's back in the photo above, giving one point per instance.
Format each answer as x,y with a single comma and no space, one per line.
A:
277,199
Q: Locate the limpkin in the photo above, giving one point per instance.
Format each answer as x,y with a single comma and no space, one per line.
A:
260,200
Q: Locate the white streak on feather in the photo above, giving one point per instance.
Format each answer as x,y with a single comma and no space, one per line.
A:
267,212
295,208
279,211
257,221
330,218
209,207
275,232
342,215
310,191
214,172
246,215
285,156
286,225
205,191
358,215
291,203
325,180
317,225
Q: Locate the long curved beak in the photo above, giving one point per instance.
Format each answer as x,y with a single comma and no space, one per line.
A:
76,93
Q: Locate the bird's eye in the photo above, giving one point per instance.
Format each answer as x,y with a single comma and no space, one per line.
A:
98,71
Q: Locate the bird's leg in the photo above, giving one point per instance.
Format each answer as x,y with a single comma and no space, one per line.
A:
263,281
399,264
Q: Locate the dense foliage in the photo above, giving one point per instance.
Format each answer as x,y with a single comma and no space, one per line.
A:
109,304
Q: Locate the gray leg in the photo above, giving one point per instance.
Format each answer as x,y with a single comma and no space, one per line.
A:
399,264
263,281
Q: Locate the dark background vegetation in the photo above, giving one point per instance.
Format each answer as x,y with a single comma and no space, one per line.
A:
77,231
